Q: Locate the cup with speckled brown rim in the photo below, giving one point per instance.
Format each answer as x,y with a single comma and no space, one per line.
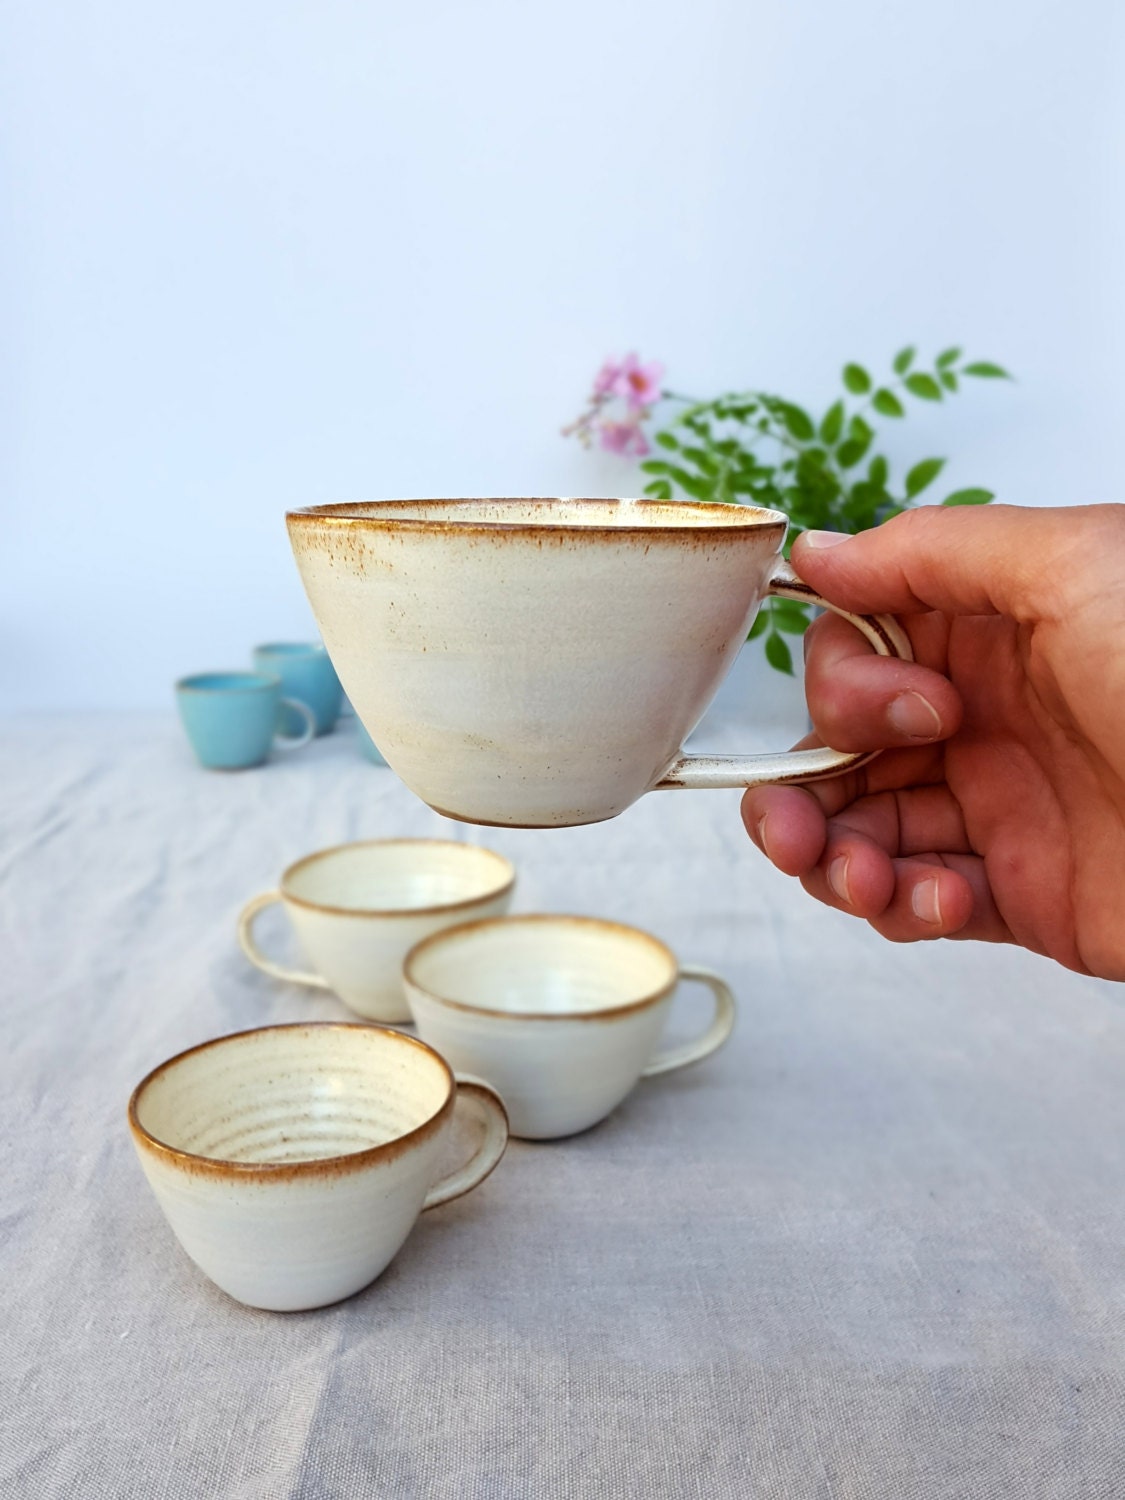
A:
562,1015
292,1161
358,909
540,662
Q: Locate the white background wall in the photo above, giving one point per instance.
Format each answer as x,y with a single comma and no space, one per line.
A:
260,254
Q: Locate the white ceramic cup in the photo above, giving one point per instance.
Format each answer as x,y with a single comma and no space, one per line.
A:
562,1015
539,663
292,1161
358,909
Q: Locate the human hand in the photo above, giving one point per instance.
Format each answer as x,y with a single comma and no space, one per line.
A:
998,809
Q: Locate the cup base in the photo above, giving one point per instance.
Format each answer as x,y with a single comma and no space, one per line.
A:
240,765
564,822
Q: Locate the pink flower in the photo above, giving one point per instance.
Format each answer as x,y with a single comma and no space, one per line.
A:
623,437
638,384
605,381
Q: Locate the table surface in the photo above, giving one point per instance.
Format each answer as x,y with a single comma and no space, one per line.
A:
872,1249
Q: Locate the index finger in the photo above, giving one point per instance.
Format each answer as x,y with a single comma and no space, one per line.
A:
1004,559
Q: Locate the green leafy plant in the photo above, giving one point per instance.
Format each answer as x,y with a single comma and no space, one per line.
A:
753,448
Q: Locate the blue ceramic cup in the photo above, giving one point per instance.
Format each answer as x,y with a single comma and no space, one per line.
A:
368,745
307,674
233,718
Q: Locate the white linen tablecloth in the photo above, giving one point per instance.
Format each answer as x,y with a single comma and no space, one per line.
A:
875,1248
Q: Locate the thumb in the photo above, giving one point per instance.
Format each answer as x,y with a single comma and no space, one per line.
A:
1005,559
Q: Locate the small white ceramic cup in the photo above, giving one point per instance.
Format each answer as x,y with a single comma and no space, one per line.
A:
562,1015
358,909
292,1161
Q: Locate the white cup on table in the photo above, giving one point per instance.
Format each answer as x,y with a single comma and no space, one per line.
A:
562,1015
292,1161
357,910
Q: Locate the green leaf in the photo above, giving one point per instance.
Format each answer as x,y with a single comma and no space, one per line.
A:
904,359
857,380
790,616
656,466
798,422
666,440
760,624
969,497
948,357
702,461
986,371
877,472
949,380
778,654
860,437
833,424
659,489
861,505
923,386
849,454
923,474
887,404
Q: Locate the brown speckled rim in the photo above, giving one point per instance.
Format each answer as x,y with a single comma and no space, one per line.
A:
721,519
320,1166
465,903
546,919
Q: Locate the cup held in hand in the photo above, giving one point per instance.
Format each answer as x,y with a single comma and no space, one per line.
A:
540,663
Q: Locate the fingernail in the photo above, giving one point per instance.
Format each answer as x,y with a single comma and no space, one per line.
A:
914,716
926,902
763,841
826,538
838,878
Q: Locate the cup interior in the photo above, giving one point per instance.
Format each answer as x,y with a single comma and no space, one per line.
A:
543,966
228,682
291,649
283,1095
624,514
393,876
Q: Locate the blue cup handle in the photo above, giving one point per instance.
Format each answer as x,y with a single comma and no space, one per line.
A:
295,741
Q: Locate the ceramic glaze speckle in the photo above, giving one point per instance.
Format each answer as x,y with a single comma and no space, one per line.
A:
562,1015
541,662
292,1161
359,908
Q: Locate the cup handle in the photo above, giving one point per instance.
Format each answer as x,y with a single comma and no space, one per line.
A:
257,957
722,1024
885,634
488,1106
295,741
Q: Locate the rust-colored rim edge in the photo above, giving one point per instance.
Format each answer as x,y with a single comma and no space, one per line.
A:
359,513
463,904
545,919
318,1166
